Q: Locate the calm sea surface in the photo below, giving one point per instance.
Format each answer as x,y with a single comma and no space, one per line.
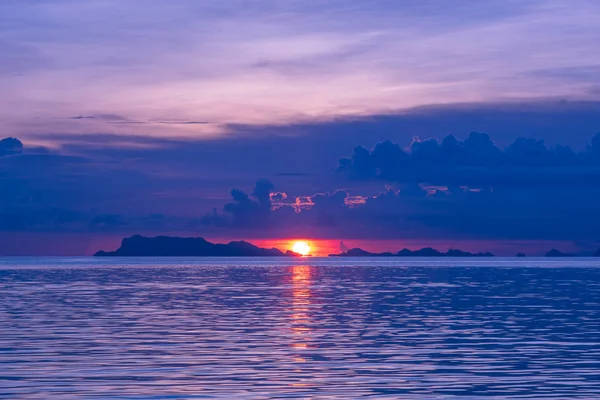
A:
318,328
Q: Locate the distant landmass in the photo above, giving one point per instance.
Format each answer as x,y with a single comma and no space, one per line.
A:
425,252
168,246
557,253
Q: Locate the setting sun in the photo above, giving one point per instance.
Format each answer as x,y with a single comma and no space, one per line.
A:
301,248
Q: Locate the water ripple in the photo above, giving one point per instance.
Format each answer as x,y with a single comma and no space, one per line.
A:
343,329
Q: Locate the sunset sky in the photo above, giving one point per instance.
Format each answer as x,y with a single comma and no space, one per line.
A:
319,120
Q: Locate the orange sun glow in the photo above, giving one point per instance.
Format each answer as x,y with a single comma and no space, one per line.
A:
301,248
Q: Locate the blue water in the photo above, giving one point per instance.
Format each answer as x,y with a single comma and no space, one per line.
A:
322,328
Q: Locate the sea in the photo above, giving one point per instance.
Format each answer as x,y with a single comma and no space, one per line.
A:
310,328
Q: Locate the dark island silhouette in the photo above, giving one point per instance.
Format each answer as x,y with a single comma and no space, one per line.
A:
558,253
425,252
169,246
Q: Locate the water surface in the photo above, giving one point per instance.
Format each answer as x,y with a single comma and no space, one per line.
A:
321,328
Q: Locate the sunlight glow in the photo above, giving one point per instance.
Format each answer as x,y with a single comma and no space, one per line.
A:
301,248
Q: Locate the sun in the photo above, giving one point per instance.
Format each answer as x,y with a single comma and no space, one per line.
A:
301,248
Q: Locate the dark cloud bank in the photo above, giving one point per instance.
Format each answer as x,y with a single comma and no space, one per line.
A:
476,161
468,189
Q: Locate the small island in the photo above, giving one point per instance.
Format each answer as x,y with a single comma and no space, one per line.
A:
169,246
425,252
558,253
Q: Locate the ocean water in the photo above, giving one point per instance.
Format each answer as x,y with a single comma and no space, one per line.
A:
310,328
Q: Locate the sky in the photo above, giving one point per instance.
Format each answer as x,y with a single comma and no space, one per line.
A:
386,124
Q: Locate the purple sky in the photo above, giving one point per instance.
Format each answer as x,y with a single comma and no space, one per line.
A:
273,62
142,116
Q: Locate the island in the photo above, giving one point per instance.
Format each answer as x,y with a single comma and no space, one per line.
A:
424,252
558,253
169,246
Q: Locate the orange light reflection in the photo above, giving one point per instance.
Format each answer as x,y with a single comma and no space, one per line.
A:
301,275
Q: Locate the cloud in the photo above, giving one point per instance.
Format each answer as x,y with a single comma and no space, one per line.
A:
244,210
119,119
28,218
422,211
84,117
291,174
107,221
594,146
277,196
462,188
267,209
475,161
218,58
33,218
10,146
182,122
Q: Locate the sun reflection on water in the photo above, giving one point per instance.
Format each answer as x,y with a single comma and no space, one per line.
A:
301,279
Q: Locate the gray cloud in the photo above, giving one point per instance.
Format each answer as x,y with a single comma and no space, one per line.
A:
476,161
10,146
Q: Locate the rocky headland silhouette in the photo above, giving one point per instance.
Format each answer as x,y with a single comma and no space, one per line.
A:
424,252
169,246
